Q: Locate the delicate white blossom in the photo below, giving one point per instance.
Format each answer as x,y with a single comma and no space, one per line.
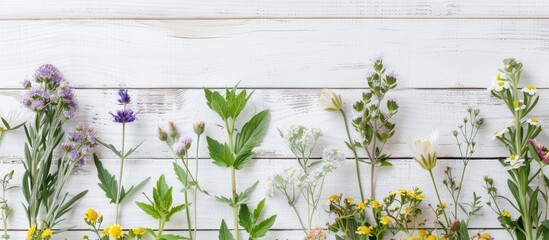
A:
530,89
533,121
424,150
498,133
514,162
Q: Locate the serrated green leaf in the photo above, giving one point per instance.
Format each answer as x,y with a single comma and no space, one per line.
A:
261,229
249,137
220,153
224,233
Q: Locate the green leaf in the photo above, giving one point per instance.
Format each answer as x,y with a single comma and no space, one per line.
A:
171,237
259,209
107,181
220,153
249,137
263,227
149,209
182,177
245,218
224,233
132,189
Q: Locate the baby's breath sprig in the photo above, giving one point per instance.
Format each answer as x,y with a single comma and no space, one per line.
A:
373,122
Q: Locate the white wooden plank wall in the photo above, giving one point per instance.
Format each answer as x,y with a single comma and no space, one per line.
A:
165,51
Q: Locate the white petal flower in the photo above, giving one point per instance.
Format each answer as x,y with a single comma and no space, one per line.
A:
533,121
511,123
424,151
530,89
514,162
519,105
498,133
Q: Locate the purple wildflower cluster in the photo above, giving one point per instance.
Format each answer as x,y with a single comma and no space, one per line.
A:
79,144
125,115
51,91
182,146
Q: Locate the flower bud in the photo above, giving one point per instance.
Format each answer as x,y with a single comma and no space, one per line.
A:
161,134
199,127
172,129
26,84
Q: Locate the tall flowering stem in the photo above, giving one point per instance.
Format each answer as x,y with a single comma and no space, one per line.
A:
112,186
53,102
235,154
180,148
306,182
373,122
514,136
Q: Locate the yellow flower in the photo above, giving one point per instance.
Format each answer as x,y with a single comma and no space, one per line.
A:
432,237
139,231
375,204
420,197
385,220
442,238
91,215
414,238
361,206
408,209
116,231
46,233
400,192
443,204
363,230
333,198
498,77
485,236
349,200
422,233
506,214
106,230
31,231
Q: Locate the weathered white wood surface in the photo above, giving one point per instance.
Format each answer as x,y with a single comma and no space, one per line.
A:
420,111
267,53
265,8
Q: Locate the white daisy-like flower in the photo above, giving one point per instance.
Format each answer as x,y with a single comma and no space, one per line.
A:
511,123
501,76
498,133
499,85
519,105
514,162
533,121
530,89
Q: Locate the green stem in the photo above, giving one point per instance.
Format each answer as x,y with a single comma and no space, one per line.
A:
161,224
196,188
235,206
121,172
459,190
299,218
187,210
438,197
353,149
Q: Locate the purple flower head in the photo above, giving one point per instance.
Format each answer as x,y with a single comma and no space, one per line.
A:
124,116
67,146
46,73
26,84
180,149
186,142
35,99
75,155
124,96
76,136
542,152
80,144
392,74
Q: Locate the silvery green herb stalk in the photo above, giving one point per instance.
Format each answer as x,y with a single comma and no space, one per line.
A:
515,136
113,188
53,102
5,208
180,148
235,154
373,122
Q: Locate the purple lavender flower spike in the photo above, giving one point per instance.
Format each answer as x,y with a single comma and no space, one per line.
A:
124,116
124,96
48,72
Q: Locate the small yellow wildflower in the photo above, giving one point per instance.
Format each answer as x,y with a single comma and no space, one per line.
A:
333,198
363,230
91,215
375,204
349,200
139,231
361,206
31,231
106,230
420,197
422,233
485,236
506,214
442,238
443,204
498,77
432,237
408,209
116,231
46,233
414,238
385,220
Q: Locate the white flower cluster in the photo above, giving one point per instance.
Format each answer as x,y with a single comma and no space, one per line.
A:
299,138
